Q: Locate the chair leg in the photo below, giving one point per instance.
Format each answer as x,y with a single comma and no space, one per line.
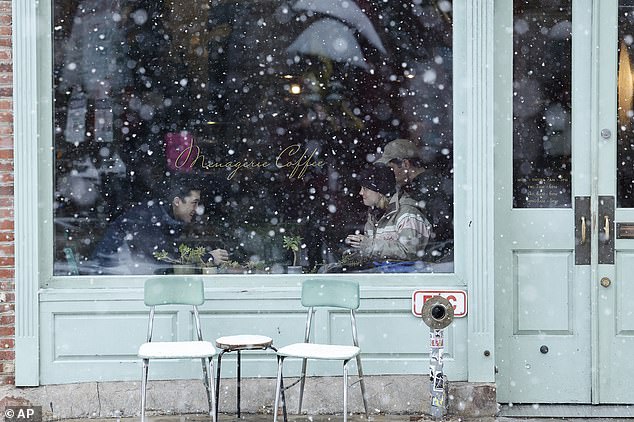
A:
302,380
210,386
278,389
281,389
218,382
144,371
362,383
345,391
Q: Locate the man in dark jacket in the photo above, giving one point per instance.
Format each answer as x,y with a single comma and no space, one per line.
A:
130,242
418,181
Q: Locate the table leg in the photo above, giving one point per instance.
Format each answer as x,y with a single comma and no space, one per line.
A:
218,383
283,400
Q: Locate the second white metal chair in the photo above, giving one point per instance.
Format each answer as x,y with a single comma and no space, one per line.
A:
325,293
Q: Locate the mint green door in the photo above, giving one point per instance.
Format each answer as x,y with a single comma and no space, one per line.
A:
564,252
613,282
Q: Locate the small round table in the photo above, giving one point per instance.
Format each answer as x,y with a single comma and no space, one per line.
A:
238,343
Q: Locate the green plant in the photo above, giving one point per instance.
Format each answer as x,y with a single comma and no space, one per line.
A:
256,265
231,265
293,243
187,256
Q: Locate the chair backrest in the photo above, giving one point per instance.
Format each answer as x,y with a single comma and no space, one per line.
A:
330,292
174,291
73,269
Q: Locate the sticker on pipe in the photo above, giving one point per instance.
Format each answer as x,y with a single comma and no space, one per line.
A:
457,298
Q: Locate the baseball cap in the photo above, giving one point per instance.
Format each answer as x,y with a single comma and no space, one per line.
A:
378,178
399,149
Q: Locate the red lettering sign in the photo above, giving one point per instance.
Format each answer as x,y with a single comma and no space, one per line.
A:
457,298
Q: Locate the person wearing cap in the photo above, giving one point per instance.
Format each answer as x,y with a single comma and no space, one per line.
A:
415,182
404,158
395,230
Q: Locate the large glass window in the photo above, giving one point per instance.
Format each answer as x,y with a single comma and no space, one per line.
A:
185,127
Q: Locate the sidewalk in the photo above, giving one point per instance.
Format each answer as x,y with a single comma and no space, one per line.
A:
338,418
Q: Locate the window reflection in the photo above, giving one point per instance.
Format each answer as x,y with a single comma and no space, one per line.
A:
625,113
542,104
273,108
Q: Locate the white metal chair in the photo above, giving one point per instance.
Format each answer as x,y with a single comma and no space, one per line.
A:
177,291
324,293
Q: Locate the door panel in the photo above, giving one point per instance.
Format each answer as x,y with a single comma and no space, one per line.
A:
538,272
544,346
614,281
624,294
546,353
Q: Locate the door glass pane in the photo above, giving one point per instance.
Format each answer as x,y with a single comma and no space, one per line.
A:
273,111
625,114
542,52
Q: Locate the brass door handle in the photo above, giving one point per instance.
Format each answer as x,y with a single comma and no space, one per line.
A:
583,230
605,225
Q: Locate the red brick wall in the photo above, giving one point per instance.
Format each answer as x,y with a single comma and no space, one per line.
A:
7,284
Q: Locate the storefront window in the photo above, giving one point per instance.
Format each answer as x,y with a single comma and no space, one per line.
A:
542,104
272,115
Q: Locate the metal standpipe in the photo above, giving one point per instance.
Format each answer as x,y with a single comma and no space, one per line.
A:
437,314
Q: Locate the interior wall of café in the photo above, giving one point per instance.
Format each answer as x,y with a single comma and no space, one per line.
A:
89,328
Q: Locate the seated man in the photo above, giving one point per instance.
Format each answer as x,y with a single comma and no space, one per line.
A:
130,242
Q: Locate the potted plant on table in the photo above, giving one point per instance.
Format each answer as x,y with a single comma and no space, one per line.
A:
293,243
189,259
231,267
257,267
